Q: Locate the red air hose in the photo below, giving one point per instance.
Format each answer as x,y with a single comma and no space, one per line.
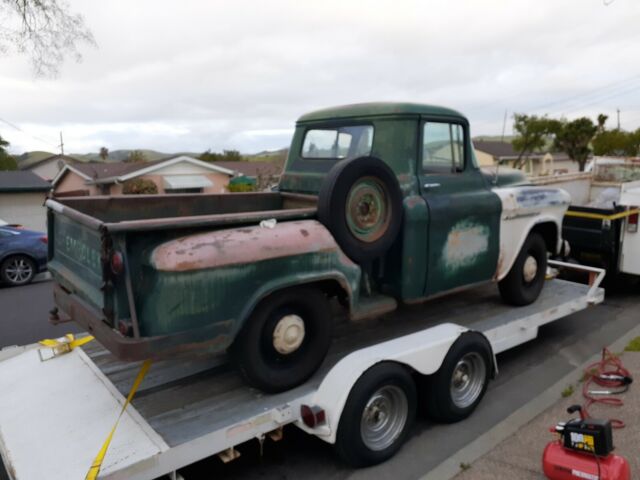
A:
612,377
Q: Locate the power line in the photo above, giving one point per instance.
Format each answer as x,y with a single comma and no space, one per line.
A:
51,144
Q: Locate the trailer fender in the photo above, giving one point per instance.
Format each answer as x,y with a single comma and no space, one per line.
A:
423,352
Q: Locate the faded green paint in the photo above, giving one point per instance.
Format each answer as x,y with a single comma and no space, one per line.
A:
174,301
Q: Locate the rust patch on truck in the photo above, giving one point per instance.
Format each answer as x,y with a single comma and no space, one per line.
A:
242,246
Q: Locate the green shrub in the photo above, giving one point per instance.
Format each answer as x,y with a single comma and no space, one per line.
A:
139,186
240,187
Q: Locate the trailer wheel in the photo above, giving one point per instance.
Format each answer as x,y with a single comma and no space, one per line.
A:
377,416
525,280
360,202
455,390
285,339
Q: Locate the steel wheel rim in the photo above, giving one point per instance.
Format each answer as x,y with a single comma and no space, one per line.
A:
384,417
367,209
467,380
19,270
530,269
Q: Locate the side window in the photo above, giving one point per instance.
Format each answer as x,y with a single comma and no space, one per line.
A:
442,147
338,143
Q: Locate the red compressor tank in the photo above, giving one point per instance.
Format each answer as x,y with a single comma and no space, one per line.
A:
560,463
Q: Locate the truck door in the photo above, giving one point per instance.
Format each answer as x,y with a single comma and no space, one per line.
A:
464,214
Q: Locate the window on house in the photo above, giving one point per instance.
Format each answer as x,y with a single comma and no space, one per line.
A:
442,147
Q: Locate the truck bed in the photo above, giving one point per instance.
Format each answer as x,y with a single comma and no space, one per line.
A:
150,212
190,409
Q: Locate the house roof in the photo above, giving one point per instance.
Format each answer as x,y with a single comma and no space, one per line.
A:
494,148
22,181
98,172
64,158
252,169
378,108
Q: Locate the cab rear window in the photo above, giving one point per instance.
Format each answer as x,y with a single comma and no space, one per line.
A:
338,143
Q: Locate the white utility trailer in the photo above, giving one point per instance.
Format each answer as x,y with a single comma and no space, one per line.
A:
55,414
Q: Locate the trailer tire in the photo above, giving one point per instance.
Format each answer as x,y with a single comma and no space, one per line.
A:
378,415
455,390
284,340
525,280
360,203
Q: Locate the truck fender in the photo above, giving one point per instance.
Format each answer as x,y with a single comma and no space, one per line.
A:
523,208
423,352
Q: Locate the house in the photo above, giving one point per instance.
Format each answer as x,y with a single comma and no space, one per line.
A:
180,174
49,167
490,153
22,195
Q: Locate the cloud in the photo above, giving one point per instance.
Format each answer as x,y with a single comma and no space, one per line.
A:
191,75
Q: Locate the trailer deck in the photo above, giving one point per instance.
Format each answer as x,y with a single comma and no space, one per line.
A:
54,415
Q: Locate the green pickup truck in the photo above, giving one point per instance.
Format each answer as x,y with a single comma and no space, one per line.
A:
378,204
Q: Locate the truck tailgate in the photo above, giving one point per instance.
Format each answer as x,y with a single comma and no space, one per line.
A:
75,257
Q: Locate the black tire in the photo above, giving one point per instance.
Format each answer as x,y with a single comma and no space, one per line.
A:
254,350
17,270
362,180
450,400
352,447
515,289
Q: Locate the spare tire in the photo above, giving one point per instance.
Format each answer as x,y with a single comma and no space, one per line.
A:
360,202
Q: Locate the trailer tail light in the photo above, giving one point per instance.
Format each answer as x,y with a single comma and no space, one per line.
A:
117,263
632,223
312,416
44,239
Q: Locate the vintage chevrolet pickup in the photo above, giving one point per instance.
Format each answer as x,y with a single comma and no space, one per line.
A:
378,203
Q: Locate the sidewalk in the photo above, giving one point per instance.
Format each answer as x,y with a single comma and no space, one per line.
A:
520,455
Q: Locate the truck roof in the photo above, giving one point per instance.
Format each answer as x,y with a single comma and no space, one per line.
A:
377,108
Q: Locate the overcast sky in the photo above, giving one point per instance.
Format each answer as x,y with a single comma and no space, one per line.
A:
192,75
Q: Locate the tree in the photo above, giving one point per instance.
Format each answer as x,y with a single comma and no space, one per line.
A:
139,186
574,138
615,142
225,156
136,156
43,30
104,153
532,134
7,161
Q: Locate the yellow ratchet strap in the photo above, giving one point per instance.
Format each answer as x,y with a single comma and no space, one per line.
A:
600,216
93,472
64,344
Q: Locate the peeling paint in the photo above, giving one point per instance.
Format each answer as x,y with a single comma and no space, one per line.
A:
465,242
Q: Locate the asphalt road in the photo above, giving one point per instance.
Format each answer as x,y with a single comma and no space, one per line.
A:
524,372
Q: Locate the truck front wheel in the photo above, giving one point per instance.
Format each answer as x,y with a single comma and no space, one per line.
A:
284,340
377,416
525,280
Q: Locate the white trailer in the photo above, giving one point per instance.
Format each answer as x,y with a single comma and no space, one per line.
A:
55,414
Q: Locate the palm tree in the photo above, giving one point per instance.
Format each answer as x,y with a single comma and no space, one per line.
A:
104,153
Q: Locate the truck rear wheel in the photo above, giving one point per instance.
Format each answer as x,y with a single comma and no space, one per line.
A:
377,416
284,340
455,390
525,280
360,202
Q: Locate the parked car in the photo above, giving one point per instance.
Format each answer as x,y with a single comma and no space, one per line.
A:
23,254
378,204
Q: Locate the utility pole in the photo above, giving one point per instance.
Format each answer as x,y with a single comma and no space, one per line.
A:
504,125
618,112
61,145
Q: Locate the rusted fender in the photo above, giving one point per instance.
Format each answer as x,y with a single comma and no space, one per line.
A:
246,245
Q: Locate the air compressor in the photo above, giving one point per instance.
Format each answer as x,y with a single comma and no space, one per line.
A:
583,451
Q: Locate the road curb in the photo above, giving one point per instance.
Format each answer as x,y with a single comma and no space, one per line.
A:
490,439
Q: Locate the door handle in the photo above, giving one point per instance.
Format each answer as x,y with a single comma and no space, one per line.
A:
431,185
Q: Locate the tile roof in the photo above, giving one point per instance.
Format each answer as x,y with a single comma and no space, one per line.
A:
22,181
